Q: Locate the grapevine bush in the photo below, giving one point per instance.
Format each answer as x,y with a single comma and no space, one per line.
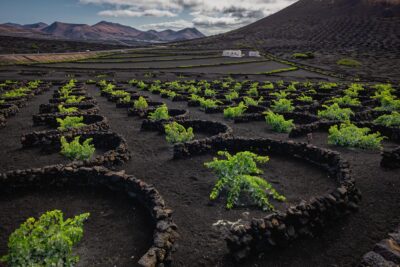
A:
70,123
161,113
349,135
335,112
47,241
278,122
238,174
234,112
177,133
77,151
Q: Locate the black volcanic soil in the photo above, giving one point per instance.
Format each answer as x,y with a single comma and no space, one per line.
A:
117,233
19,45
186,184
342,244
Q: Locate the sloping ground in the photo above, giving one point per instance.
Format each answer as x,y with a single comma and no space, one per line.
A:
37,58
20,45
367,30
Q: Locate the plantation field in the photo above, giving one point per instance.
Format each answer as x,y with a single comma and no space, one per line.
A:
166,63
317,164
152,64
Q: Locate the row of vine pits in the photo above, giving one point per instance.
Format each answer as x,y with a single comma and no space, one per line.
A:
186,183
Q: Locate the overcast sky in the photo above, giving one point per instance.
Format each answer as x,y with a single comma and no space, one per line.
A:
209,16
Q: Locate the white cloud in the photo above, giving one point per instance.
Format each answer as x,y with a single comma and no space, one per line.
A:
210,16
173,25
133,13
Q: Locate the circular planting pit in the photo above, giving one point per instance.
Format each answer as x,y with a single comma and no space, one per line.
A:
129,224
83,108
207,133
87,100
8,110
130,104
390,158
75,92
94,122
297,117
175,115
144,113
111,148
305,219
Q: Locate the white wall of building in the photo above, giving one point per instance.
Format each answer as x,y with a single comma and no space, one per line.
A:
232,53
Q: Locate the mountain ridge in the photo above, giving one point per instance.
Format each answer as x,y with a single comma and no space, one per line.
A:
102,31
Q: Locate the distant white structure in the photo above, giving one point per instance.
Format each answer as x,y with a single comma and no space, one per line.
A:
254,54
232,53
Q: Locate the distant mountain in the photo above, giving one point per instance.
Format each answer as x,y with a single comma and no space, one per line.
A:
115,29
35,26
103,31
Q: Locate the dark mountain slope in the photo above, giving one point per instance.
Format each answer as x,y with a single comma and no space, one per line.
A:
368,30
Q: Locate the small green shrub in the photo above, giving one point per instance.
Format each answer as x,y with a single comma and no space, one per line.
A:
141,85
253,92
133,82
161,113
383,87
75,150
327,85
349,135
194,90
209,92
70,123
234,112
13,94
208,103
353,90
335,112
140,103
268,86
120,93
291,87
74,99
47,241
306,55
305,98
348,62
64,110
155,88
389,120
108,88
232,95
345,101
252,102
237,87
126,99
280,94
196,98
237,174
177,133
278,122
389,103
90,82
171,94
282,105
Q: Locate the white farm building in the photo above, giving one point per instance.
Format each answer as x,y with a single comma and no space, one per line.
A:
254,54
232,53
